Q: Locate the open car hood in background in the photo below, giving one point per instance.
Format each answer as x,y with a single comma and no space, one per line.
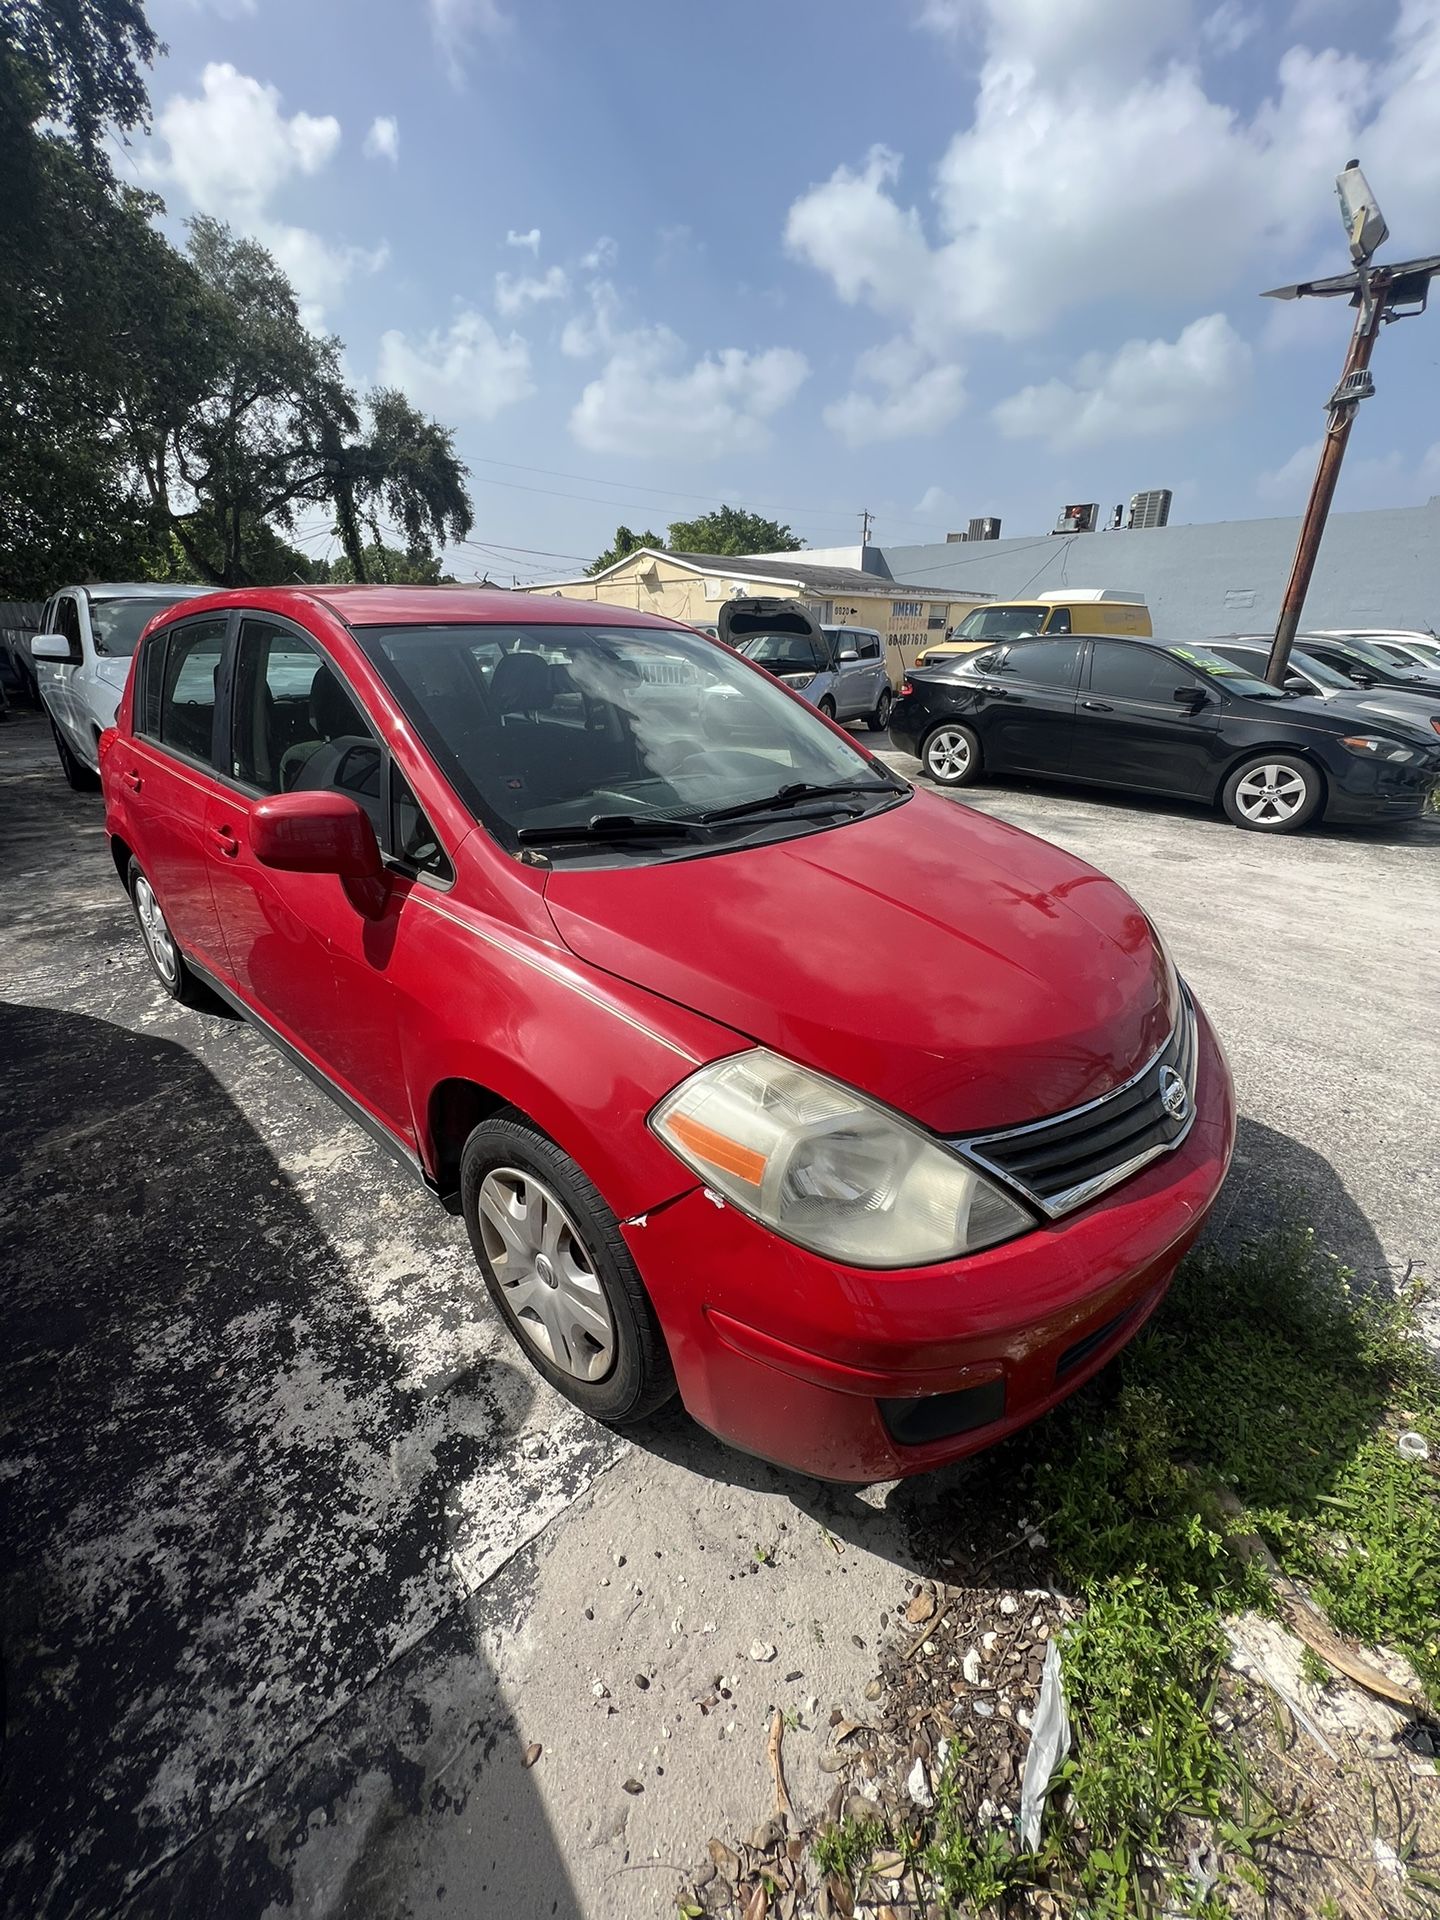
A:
738,620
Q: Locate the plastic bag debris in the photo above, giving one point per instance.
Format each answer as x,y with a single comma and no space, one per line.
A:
1049,1744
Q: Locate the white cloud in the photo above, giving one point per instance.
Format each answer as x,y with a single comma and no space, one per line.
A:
1105,171
1287,485
1148,387
467,372
1226,30
530,240
647,401
514,293
910,397
602,256
382,142
585,335
457,24
231,148
234,144
1367,480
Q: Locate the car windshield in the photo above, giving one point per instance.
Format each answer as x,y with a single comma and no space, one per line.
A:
118,623
1372,656
1217,667
612,730
1001,623
780,652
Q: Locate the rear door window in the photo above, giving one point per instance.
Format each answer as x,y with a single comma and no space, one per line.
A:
868,646
185,720
1125,672
1044,663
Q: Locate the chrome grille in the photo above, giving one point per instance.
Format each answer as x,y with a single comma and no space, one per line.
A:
1061,1163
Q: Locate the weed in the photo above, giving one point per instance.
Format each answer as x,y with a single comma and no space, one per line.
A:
844,1849
1265,1381
1313,1670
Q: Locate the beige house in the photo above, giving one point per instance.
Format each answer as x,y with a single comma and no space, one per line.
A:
691,586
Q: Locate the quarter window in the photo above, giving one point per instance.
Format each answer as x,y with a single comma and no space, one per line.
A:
185,719
1137,673
414,840
1044,663
868,645
67,621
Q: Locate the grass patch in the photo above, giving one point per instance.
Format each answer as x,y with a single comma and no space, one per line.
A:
1268,1380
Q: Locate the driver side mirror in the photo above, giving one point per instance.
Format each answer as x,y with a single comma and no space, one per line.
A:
324,832
1294,684
848,653
1362,679
1191,698
54,646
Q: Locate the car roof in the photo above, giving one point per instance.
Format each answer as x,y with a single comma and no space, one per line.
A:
383,606
137,589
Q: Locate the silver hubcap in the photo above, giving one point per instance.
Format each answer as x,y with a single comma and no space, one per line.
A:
1270,794
549,1280
948,755
156,933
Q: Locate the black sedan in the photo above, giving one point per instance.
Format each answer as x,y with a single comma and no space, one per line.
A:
1364,665
1168,719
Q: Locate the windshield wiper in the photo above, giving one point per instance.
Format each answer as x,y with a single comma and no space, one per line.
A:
800,791
612,826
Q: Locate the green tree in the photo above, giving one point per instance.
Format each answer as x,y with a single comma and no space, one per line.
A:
391,565
75,64
266,427
625,542
732,530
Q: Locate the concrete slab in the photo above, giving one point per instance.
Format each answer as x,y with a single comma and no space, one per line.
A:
301,1560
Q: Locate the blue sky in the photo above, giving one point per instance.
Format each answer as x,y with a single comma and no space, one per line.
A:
934,258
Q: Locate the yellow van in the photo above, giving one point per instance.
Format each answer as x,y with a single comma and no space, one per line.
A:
1080,610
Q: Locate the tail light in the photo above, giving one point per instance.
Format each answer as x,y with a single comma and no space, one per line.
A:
905,687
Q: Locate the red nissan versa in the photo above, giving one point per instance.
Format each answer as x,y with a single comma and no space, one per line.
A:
872,1125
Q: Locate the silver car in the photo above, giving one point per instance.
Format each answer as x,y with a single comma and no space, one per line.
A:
840,670
82,659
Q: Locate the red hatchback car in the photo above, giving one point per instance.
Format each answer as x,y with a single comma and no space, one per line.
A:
872,1125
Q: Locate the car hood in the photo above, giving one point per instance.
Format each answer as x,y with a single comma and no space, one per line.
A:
737,620
958,969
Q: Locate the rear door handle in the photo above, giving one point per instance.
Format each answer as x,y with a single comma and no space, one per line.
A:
225,839
1098,706
132,780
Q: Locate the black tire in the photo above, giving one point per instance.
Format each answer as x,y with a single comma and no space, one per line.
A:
880,719
827,707
950,755
1273,793
78,776
177,980
639,1377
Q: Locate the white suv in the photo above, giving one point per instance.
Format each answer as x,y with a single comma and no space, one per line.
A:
82,658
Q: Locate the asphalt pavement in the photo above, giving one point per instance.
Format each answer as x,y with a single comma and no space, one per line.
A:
302,1562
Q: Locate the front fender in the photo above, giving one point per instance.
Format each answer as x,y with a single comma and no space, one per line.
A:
584,1055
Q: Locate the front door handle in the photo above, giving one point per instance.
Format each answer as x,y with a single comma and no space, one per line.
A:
224,838
132,780
1098,706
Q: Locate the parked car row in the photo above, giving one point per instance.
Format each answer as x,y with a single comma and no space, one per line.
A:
1191,722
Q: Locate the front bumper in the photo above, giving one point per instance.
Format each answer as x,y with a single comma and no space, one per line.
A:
865,1376
1367,790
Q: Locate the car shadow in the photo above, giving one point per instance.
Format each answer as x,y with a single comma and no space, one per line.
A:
228,1523
928,1525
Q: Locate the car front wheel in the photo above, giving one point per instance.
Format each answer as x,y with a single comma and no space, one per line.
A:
1274,793
951,755
557,1268
827,707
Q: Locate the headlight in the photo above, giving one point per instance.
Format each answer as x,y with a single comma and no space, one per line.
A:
1377,747
797,680
829,1170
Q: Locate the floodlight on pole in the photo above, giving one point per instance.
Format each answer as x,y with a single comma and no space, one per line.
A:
1379,295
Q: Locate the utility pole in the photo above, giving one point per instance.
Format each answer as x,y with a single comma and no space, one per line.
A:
1380,295
865,518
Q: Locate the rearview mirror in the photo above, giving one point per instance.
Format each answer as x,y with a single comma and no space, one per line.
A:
54,646
321,833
